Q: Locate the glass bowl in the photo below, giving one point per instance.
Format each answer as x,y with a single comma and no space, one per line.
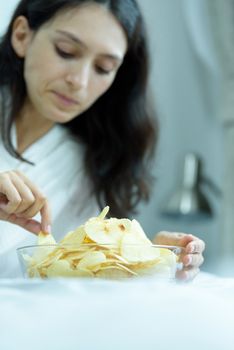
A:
106,261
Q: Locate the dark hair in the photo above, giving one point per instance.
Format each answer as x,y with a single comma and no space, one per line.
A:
118,130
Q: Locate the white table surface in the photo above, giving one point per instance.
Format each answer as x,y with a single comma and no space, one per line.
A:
66,314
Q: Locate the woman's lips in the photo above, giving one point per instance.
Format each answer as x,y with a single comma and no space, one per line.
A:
67,101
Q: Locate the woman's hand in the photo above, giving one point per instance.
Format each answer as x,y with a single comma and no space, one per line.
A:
21,200
192,258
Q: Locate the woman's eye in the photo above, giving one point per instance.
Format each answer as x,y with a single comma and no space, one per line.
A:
63,54
103,71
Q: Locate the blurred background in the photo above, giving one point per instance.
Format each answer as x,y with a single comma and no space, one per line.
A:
191,86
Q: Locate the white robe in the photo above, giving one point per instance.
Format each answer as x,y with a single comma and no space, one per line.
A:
59,174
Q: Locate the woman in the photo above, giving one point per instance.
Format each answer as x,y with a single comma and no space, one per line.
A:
75,128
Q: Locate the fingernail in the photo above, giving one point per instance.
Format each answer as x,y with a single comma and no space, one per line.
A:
188,260
46,229
191,249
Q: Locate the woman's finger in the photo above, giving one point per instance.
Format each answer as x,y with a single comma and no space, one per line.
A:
195,246
35,207
41,204
173,238
46,217
3,199
12,197
27,197
3,215
21,200
18,195
191,243
187,275
192,260
30,225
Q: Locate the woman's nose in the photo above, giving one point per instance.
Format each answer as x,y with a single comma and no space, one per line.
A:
78,77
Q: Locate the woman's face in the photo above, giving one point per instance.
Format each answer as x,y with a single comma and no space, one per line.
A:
70,61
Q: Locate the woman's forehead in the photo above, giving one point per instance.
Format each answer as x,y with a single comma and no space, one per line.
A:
88,16
92,23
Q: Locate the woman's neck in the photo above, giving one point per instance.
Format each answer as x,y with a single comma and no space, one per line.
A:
30,127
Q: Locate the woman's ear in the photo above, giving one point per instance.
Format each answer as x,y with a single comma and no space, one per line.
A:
21,36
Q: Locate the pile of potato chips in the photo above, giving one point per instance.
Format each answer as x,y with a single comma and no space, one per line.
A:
105,248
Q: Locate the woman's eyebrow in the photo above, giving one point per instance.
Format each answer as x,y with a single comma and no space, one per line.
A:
76,40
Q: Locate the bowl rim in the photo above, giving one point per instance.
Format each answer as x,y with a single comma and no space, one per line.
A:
178,249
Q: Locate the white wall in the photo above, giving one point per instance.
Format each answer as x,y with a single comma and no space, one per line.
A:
185,80
185,77
6,9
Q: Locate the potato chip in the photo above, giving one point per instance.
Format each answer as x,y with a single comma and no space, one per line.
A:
76,254
105,248
168,256
62,268
45,238
108,231
48,242
91,259
160,269
124,268
104,213
117,258
133,250
138,232
74,237
33,272
112,273
53,256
